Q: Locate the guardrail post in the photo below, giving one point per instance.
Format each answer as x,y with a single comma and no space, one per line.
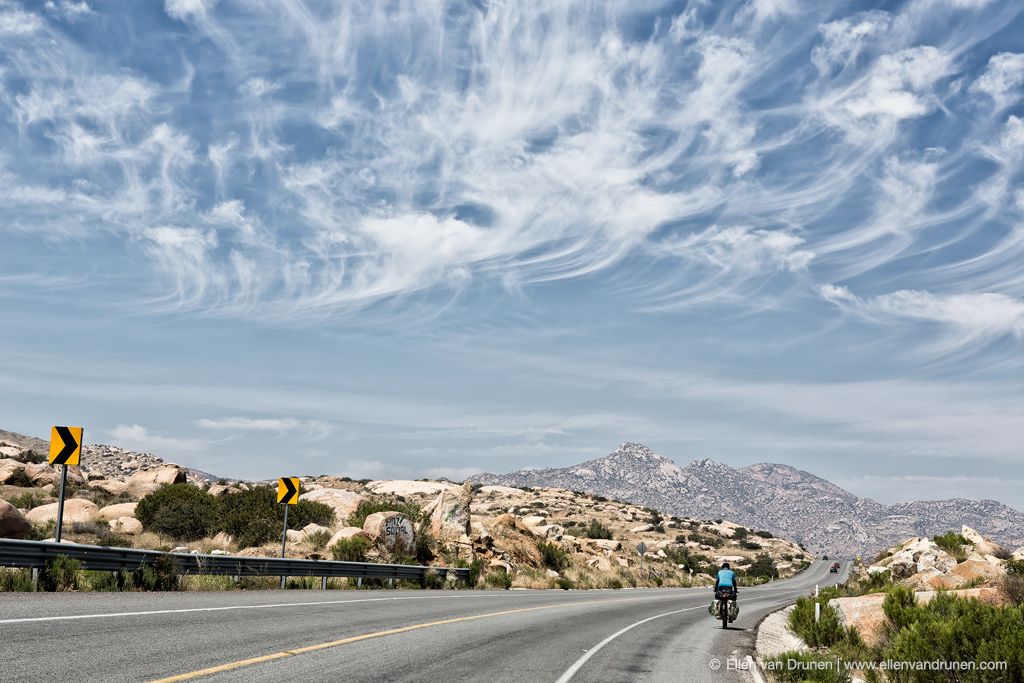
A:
323,583
391,582
359,582
35,579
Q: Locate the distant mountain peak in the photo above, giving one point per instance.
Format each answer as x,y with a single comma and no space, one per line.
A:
771,496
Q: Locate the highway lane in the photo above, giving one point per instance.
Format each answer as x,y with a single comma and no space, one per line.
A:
382,635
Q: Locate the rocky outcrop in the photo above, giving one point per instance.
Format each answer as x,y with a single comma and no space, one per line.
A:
343,502
449,513
392,531
404,487
75,510
920,564
116,511
13,524
346,533
126,525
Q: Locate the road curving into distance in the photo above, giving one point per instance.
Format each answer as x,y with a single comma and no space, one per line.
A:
605,635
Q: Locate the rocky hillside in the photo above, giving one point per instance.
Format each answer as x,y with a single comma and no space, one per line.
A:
513,536
784,500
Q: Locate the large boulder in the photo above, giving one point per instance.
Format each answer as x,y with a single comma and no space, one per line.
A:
13,523
982,545
405,487
12,450
145,482
972,571
8,468
607,544
449,513
112,512
1018,554
865,614
44,473
393,531
346,533
344,503
126,525
114,487
75,510
314,528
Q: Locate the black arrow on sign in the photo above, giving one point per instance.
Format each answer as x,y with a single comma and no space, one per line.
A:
292,491
70,446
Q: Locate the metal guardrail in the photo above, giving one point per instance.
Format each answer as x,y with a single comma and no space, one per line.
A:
36,554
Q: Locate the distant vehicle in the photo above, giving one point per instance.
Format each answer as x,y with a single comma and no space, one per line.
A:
824,557
834,569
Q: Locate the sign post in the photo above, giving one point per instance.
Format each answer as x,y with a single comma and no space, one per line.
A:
65,449
287,493
641,550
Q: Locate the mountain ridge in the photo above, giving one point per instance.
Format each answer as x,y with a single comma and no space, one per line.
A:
778,498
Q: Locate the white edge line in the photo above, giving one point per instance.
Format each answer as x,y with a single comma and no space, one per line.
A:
578,664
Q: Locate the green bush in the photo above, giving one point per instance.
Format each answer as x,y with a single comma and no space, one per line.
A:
952,543
764,534
431,580
900,607
498,579
15,580
552,556
161,576
113,540
1015,567
565,584
60,574
761,567
351,549
801,667
19,478
255,518
27,500
385,504
823,633
750,545
1012,586
955,629
319,539
596,529
476,567
739,533
180,511
426,545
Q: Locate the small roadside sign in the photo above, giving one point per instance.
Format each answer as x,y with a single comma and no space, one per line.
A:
288,490
641,548
65,445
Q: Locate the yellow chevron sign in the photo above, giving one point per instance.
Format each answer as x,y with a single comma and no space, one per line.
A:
288,490
65,445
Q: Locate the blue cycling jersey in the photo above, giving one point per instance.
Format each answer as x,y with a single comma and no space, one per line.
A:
725,577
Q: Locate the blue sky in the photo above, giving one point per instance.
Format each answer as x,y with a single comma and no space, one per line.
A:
422,238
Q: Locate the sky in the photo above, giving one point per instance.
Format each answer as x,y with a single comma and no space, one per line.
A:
418,238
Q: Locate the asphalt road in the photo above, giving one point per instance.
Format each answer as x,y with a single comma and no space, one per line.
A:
302,636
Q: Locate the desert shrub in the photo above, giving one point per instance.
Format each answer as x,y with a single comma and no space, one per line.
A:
255,517
750,545
1012,587
162,575
15,580
1002,554
431,579
113,540
705,539
952,543
595,529
476,567
385,504
764,534
900,607
426,545
351,549
19,478
801,667
1015,567
319,539
761,567
95,528
498,579
739,533
109,581
27,500
576,531
180,511
822,633
552,556
954,629
565,584
60,574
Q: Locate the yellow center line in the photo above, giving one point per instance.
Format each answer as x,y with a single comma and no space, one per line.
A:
367,636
